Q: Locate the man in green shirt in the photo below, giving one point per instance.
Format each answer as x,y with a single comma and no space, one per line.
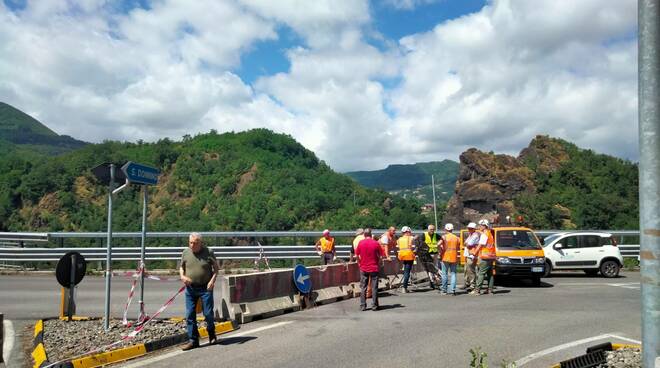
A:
198,272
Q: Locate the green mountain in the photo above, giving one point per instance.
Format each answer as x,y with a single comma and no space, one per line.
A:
19,131
256,180
413,180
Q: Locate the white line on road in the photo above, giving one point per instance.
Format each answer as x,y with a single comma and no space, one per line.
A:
534,356
172,354
8,340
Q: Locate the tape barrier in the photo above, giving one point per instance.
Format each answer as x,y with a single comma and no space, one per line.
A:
128,336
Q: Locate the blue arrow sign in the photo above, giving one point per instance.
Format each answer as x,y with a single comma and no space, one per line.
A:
140,174
302,279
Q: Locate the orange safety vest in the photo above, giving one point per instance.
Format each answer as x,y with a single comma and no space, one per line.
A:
327,244
488,250
452,243
405,248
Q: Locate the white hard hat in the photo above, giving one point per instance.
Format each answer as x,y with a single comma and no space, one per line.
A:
449,227
472,225
406,229
326,231
483,222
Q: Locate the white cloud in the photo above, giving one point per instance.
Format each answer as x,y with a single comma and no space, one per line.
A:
492,79
408,4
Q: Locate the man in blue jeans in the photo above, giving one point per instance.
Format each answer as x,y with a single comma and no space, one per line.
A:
198,272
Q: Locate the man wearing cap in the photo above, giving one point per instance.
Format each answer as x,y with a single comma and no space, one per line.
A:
198,272
470,252
369,254
406,254
325,247
449,248
487,256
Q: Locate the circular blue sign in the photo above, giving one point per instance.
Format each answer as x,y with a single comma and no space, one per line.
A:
302,279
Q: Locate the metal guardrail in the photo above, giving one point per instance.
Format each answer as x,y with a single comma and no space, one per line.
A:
119,253
167,253
174,253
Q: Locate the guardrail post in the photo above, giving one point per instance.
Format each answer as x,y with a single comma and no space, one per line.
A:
649,177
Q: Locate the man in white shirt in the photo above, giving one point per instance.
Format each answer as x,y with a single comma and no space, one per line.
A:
471,242
388,241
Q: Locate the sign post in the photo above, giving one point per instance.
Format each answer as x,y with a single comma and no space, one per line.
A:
108,255
141,175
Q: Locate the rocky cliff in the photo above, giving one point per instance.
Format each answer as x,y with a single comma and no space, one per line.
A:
488,184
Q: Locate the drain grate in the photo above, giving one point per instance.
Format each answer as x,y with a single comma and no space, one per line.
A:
589,360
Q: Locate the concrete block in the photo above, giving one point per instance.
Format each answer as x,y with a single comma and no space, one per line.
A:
331,294
266,308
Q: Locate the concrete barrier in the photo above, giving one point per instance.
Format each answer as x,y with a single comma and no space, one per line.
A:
261,295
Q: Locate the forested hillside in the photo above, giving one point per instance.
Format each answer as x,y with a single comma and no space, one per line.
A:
21,132
413,180
255,180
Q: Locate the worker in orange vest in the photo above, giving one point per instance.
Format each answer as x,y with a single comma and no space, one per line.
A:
450,245
406,254
325,247
487,256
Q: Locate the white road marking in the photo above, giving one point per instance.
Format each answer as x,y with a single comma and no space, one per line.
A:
629,285
524,360
172,354
8,344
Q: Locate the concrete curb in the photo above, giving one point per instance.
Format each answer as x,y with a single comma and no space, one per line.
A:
580,360
117,355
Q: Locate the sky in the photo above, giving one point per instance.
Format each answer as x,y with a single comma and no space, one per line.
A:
363,84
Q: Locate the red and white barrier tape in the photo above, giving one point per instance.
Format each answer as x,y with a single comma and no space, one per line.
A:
128,336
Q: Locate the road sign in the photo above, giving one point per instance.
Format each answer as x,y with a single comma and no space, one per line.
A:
102,173
302,279
63,272
140,174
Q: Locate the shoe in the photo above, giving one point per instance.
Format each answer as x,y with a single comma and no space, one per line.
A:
405,291
212,340
190,346
443,293
490,291
374,308
363,308
474,292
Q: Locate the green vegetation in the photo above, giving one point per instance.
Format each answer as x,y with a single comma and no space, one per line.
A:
257,180
21,133
413,180
584,190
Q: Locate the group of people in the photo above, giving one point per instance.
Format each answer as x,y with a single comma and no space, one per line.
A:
437,253
199,267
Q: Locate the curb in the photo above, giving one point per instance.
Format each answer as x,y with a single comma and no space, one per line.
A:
117,355
594,355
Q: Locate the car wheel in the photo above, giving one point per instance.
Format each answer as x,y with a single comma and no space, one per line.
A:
609,269
548,269
591,272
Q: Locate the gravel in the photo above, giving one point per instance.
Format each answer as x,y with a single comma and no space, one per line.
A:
623,358
65,340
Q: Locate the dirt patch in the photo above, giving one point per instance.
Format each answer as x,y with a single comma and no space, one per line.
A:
246,179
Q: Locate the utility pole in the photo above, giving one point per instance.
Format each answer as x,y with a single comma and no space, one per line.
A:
649,177
435,210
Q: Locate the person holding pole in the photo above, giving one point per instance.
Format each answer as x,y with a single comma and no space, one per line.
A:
198,271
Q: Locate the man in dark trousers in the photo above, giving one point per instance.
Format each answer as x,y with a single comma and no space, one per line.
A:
198,272
369,254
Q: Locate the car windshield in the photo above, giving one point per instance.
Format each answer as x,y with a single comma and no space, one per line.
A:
550,238
517,239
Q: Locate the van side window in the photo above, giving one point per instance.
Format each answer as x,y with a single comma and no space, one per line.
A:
605,241
590,241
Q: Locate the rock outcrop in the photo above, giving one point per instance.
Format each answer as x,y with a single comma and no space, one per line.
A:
488,183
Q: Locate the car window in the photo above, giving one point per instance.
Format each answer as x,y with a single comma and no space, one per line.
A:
569,242
550,238
516,239
607,241
590,241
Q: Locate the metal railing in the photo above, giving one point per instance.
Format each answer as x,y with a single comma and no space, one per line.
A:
122,253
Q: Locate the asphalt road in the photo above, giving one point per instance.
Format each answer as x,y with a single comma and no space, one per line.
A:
534,326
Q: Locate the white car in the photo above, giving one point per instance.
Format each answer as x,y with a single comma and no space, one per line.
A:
588,251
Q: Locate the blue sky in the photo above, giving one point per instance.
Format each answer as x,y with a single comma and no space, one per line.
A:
445,74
